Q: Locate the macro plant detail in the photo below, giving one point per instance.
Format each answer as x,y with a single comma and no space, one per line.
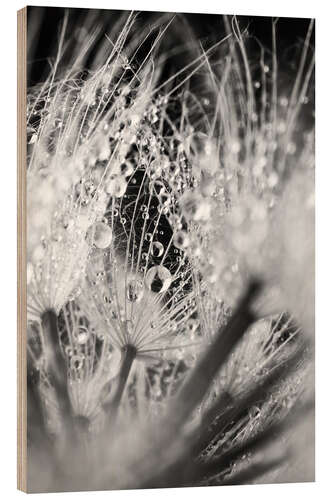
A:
170,230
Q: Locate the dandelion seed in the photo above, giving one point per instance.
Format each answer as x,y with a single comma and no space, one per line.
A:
149,207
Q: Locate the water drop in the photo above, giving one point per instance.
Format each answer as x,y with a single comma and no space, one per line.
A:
82,335
158,187
157,249
145,256
164,198
69,351
116,186
76,362
174,169
100,234
135,290
158,279
126,169
181,240
157,166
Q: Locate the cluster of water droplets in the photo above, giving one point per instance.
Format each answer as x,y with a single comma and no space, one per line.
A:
160,226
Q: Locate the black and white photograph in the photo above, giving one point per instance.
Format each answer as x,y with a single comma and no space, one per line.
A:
170,249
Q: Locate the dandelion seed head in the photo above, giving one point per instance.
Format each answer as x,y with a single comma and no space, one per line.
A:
149,207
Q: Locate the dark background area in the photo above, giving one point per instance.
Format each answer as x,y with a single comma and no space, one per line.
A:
44,24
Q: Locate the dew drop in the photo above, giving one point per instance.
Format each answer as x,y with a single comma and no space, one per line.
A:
135,290
158,279
100,234
164,198
82,335
69,351
126,169
181,240
116,186
174,169
157,166
76,362
158,187
157,249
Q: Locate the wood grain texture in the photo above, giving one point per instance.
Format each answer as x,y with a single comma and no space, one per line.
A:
21,250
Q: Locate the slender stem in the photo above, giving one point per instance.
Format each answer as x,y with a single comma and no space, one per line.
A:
253,472
217,354
34,403
196,386
129,354
56,364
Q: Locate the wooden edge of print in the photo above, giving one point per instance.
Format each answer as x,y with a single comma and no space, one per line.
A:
21,251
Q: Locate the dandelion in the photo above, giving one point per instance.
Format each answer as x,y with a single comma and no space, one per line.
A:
132,296
155,357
